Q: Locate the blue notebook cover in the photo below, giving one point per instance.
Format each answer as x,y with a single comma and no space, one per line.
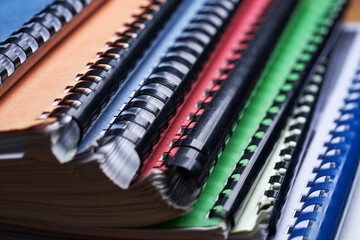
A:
15,13
26,26
325,202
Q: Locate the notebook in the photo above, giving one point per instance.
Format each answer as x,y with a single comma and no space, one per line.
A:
208,219
259,215
255,217
316,200
137,127
87,170
35,118
266,121
122,127
146,196
106,20
29,31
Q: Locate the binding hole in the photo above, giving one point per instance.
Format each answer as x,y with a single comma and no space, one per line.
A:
346,117
88,65
325,166
315,193
303,224
332,152
56,102
321,179
44,115
67,89
351,106
98,54
337,140
296,213
78,77
164,156
310,208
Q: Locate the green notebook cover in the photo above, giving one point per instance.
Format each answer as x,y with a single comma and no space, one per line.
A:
300,34
259,205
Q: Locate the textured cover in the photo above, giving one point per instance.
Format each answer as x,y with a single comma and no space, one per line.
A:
30,42
13,14
46,82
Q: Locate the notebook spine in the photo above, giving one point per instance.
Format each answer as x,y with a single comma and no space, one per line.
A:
229,50
251,161
15,50
93,88
326,199
163,90
195,113
191,137
244,24
139,124
293,142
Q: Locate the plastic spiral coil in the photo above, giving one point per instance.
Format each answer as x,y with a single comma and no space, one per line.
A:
140,122
15,50
215,84
287,91
93,88
325,201
159,96
298,122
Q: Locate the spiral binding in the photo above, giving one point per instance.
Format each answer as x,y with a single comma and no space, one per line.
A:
80,100
294,79
297,125
326,198
214,85
15,50
157,99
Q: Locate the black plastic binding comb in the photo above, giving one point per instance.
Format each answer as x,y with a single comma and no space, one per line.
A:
97,85
197,151
139,124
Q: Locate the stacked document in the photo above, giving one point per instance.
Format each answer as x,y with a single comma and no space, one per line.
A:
178,119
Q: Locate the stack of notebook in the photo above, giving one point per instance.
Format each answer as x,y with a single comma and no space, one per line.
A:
169,119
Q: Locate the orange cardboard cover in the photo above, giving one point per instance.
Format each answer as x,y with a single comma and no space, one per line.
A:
22,105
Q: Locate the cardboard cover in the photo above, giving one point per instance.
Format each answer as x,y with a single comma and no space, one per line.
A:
24,103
